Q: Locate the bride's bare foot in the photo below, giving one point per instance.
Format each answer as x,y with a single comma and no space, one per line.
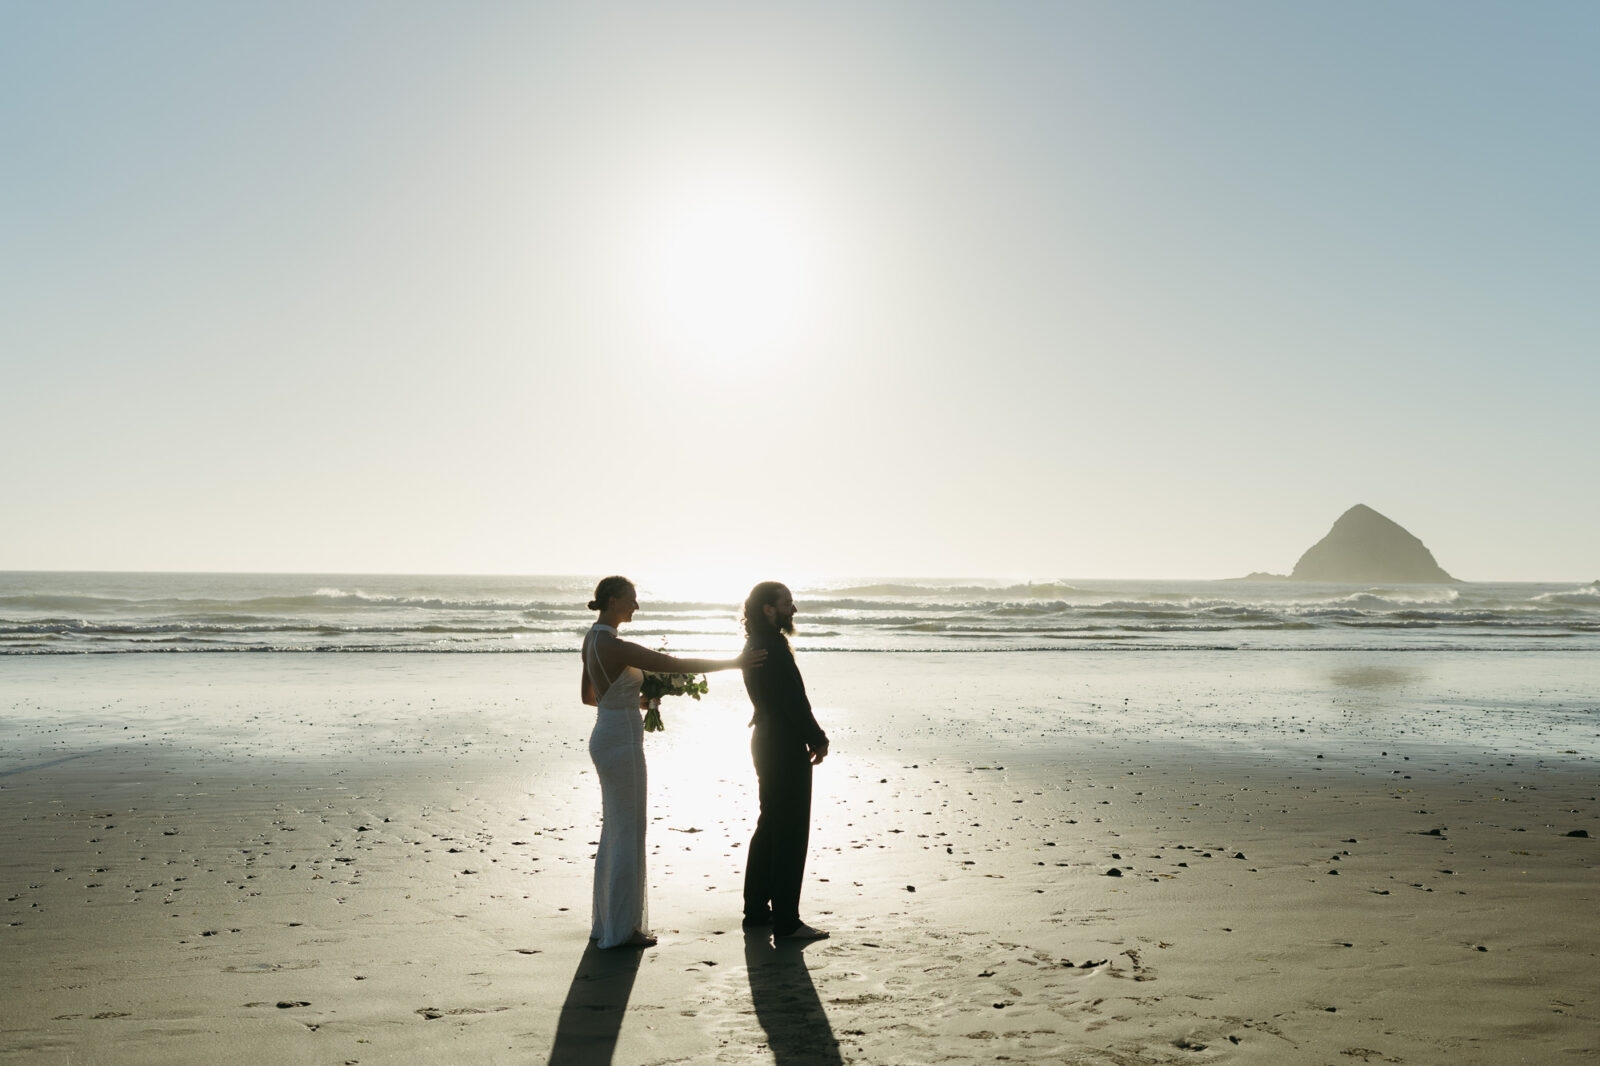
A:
638,940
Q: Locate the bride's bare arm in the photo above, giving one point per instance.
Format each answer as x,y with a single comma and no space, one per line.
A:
627,653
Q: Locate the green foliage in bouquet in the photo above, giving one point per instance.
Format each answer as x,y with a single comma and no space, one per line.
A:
658,685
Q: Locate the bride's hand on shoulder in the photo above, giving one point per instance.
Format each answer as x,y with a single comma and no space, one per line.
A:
751,658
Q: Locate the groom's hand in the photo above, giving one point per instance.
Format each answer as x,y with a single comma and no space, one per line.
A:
818,754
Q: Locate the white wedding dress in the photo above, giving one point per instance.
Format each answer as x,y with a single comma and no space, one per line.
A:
617,748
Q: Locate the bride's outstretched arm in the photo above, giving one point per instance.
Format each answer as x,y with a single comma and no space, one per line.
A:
628,653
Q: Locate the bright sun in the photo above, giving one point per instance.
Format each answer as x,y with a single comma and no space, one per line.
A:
730,272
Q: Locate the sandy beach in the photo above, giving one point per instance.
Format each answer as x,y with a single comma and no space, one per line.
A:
1066,858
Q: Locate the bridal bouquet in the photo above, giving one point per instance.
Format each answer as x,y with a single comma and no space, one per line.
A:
659,685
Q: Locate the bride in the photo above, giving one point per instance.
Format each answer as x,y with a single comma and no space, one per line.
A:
613,671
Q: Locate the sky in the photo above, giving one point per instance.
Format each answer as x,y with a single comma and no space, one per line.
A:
1014,290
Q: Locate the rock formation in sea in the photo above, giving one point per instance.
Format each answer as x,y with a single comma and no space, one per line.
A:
1363,546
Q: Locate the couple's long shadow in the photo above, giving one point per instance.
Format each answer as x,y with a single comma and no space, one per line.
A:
591,1018
786,1003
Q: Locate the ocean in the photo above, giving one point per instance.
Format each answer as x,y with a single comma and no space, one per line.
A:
119,613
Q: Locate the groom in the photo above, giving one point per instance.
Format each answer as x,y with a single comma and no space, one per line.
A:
786,744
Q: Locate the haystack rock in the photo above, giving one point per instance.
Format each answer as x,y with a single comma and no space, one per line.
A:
1365,547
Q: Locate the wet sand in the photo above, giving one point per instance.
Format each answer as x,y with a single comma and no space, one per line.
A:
1188,858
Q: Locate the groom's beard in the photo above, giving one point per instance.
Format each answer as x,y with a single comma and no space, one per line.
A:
786,627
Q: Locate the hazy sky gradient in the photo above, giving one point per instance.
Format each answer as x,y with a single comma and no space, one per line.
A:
1022,289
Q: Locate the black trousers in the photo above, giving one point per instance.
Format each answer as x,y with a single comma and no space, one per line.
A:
777,857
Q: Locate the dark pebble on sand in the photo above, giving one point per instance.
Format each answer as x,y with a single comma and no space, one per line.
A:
1113,872
911,888
1579,833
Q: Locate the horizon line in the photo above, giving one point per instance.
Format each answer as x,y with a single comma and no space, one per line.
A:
1255,576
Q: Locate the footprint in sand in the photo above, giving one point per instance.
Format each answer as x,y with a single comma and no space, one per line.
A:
270,967
439,1012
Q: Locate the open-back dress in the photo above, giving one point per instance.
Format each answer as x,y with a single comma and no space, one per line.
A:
617,748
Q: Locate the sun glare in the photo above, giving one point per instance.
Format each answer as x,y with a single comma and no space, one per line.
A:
730,273
702,582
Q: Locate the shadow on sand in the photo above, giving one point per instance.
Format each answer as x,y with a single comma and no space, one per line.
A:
591,1018
786,1003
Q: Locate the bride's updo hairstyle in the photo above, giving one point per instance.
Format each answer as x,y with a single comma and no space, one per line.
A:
609,587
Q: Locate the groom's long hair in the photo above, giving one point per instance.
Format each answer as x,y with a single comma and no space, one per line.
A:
756,626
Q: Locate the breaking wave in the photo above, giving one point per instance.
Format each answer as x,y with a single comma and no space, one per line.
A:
53,614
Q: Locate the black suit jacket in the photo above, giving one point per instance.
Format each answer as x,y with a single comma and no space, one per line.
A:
779,694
